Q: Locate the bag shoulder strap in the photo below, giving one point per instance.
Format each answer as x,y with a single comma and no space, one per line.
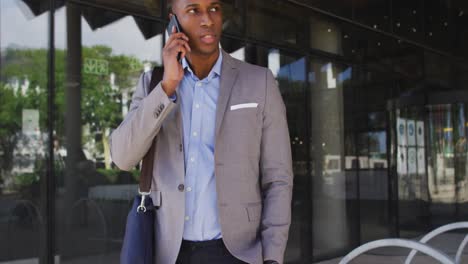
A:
148,159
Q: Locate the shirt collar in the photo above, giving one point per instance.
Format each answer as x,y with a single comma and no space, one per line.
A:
215,70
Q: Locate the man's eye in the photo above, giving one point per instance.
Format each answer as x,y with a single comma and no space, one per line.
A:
192,11
215,9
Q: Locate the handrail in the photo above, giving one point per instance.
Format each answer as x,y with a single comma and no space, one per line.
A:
396,242
102,217
460,250
98,210
35,210
434,233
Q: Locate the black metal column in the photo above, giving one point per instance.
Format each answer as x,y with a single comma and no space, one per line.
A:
47,248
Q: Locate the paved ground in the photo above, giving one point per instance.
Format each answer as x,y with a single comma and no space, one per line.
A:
448,243
376,259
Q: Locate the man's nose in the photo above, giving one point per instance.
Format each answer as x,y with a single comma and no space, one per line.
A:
206,19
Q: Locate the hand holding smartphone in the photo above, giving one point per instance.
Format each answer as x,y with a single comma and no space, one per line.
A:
174,23
174,50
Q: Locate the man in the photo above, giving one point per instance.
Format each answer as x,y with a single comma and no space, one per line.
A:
222,166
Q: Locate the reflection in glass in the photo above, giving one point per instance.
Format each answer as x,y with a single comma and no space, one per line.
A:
446,149
334,191
408,17
431,164
327,35
232,16
234,47
373,13
436,23
97,69
290,73
278,22
291,76
336,7
23,129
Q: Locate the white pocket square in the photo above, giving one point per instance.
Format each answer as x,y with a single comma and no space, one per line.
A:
240,106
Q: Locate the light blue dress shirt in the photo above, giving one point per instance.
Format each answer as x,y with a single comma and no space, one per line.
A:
198,99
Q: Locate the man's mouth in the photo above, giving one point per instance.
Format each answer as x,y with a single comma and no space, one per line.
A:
208,39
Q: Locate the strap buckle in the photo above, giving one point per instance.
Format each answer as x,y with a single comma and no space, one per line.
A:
142,207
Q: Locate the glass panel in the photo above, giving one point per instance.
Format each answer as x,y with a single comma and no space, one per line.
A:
431,164
460,75
408,19
460,159
97,68
332,148
327,35
278,22
374,13
234,47
23,128
437,28
336,7
290,72
233,17
436,76
441,159
354,43
373,182
459,29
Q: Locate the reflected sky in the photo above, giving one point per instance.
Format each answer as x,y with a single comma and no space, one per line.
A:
20,29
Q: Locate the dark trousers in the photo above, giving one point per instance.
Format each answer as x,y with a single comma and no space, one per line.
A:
205,252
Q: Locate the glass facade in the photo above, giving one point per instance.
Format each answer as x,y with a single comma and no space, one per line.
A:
376,102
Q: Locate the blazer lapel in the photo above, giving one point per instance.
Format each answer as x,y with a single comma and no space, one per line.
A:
229,74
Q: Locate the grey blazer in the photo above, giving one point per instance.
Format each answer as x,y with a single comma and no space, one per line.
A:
253,169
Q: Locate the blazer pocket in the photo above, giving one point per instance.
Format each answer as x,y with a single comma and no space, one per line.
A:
242,106
254,212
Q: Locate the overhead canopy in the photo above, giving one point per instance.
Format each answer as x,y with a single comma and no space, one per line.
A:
38,7
98,18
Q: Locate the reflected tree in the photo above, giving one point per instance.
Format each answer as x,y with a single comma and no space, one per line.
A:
23,85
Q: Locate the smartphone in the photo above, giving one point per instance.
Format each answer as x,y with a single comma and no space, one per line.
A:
174,22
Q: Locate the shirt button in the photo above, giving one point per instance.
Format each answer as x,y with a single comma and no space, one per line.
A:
181,187
195,134
197,106
187,218
199,84
192,159
189,189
